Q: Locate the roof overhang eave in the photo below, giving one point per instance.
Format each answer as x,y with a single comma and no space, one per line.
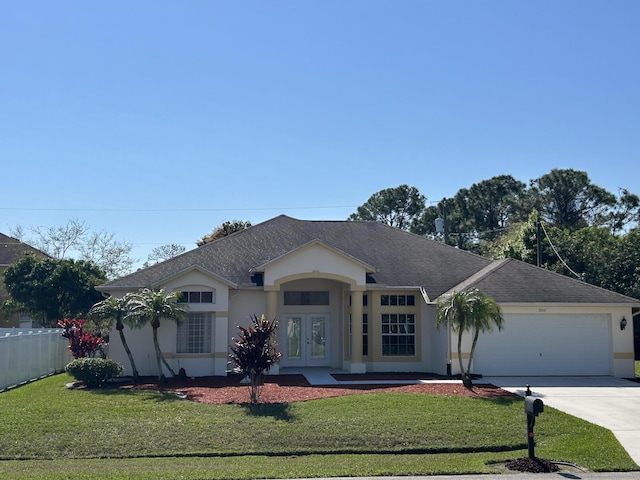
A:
570,304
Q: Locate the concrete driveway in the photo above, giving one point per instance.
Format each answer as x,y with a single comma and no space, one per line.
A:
610,402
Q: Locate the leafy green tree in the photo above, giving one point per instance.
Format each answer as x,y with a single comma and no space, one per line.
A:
51,289
449,215
626,212
118,310
150,306
567,199
425,225
624,269
466,311
493,204
586,253
226,228
477,214
254,353
518,240
397,207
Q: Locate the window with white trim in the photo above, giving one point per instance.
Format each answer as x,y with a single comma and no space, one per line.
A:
397,300
194,334
365,334
398,334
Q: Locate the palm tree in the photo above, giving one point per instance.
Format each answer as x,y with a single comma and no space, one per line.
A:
118,310
465,311
149,306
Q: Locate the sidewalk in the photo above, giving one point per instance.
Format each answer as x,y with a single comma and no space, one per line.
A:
509,476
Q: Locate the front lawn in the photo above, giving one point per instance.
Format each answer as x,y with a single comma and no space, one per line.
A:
59,433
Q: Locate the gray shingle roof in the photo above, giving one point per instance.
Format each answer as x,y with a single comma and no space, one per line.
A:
400,259
11,249
512,281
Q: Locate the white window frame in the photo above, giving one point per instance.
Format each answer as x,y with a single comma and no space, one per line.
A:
195,334
398,325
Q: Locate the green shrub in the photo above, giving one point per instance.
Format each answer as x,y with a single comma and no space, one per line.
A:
93,372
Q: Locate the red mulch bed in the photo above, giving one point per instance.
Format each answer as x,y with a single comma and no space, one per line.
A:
295,388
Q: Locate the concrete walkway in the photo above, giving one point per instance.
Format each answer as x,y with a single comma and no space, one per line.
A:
610,402
507,476
320,377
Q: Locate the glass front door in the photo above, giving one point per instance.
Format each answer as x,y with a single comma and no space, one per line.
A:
306,342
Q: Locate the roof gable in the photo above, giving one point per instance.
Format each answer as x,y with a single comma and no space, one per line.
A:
319,259
160,282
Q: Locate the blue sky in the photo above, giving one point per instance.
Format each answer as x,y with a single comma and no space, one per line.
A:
159,120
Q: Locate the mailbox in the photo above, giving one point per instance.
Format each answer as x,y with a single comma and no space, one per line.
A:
533,406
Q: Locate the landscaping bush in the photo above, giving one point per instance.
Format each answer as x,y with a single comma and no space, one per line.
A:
93,372
254,353
81,344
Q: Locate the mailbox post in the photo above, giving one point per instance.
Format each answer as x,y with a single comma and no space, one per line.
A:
532,407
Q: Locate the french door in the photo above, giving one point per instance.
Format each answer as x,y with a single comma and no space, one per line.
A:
306,342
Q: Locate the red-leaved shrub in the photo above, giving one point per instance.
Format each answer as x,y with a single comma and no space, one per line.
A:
81,344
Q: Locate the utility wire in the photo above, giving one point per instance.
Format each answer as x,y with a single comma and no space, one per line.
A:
160,210
557,254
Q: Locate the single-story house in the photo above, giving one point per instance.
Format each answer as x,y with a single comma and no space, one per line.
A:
360,297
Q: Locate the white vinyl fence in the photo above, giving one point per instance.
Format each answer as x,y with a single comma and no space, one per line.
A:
30,354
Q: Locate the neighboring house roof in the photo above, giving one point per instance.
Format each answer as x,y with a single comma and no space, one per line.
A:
12,249
397,258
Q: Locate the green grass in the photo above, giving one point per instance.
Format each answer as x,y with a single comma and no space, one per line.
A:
48,431
637,369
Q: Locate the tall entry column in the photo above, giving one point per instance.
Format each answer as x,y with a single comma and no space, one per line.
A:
271,312
272,305
357,364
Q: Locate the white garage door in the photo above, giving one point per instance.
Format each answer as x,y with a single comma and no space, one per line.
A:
546,345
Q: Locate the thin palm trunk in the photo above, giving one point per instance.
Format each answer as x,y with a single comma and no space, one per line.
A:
465,311
161,378
166,364
136,376
473,348
463,373
160,360
153,306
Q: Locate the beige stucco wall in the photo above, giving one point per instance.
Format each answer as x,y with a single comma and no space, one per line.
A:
425,325
141,342
314,261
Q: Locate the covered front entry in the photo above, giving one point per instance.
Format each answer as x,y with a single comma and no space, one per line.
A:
307,340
